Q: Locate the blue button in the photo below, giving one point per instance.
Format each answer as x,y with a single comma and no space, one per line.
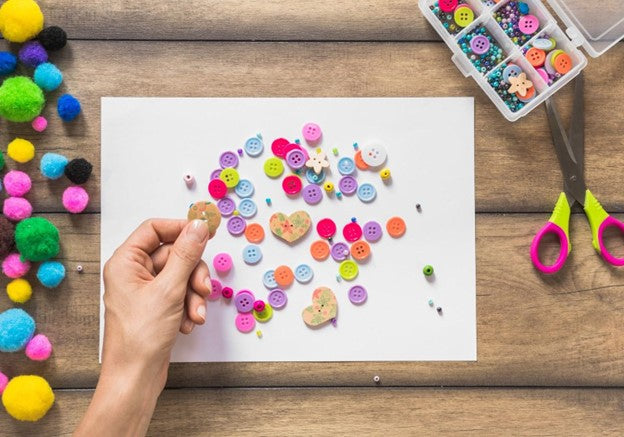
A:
254,146
252,254
303,273
268,279
366,193
346,166
244,188
511,71
247,208
314,178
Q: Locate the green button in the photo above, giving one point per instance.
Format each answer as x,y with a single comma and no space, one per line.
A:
348,270
265,315
230,177
273,167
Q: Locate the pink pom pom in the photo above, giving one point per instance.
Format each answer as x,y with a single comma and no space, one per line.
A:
17,183
40,124
4,380
75,199
39,348
13,267
16,208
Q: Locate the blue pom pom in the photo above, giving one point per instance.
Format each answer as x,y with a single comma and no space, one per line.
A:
51,273
16,329
68,107
48,77
8,63
53,165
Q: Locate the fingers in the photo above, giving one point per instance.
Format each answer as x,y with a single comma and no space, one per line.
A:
200,280
151,233
195,306
185,254
186,326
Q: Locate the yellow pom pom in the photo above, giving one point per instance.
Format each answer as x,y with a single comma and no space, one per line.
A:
20,20
28,397
21,150
19,290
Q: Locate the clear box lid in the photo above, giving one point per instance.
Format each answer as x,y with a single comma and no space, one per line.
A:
600,24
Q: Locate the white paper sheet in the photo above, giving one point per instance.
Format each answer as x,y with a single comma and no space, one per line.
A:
148,144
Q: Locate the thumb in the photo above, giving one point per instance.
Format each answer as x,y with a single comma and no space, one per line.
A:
186,253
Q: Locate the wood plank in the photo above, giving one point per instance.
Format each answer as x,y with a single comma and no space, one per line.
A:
564,330
516,169
372,411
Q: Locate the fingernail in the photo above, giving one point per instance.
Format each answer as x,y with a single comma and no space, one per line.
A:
188,326
198,231
201,312
208,284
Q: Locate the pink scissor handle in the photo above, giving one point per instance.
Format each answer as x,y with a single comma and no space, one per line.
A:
608,222
550,228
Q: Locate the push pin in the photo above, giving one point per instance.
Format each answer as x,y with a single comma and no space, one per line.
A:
331,240
376,379
79,268
268,201
189,180
240,152
439,310
418,207
355,146
335,151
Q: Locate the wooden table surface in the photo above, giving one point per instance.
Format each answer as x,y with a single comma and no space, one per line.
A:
550,349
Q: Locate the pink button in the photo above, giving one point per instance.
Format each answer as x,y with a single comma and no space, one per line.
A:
217,288
544,74
352,232
217,188
259,306
311,132
326,228
448,5
245,322
278,147
292,184
222,262
528,24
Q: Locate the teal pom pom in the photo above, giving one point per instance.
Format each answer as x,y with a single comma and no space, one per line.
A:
53,165
68,107
16,329
8,63
48,77
51,273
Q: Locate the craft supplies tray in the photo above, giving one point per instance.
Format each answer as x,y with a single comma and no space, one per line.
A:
516,51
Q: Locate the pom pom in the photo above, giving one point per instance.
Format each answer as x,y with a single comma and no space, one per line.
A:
68,107
39,348
21,150
51,273
39,124
4,380
13,267
78,170
20,99
16,208
8,63
1,163
48,77
28,397
17,183
20,20
53,38
53,165
75,199
7,236
16,329
32,54
37,239
19,290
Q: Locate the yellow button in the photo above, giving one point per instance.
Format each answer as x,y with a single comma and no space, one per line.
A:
265,315
348,270
230,177
273,167
463,16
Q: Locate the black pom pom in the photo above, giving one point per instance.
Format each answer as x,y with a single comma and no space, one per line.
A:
78,170
53,38
7,236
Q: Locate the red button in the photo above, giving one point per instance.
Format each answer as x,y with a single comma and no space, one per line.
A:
448,5
217,188
292,184
352,232
278,147
326,228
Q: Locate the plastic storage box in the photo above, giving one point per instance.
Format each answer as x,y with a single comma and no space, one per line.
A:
594,25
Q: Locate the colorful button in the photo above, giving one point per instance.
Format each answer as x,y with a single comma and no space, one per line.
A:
227,292
236,225
530,95
562,63
244,301
222,262
254,233
245,322
372,231
264,315
326,228
546,44
244,188
352,232
536,57
347,185
374,155
228,159
311,132
303,273
366,193
268,279
463,16
360,250
528,24
447,5
254,147
319,250
278,147
340,251
252,254
315,178
247,208
217,189
292,185
511,70
295,159
217,289
348,270
215,174
273,167
346,166
226,206
359,162
312,194
229,176
395,227
277,298
284,276
480,44
357,294
543,74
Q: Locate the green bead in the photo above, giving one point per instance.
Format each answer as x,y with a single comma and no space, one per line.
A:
428,270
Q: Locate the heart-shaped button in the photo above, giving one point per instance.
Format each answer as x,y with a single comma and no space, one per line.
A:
323,309
208,212
290,228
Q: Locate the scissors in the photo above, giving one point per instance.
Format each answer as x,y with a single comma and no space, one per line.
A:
570,151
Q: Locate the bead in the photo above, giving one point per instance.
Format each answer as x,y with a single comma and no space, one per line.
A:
329,187
430,302
268,201
439,310
189,180
79,268
335,151
385,174
376,379
428,270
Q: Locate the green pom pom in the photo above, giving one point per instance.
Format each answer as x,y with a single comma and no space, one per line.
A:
20,99
36,239
1,160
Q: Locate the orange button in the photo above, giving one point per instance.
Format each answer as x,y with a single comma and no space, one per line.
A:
254,233
395,227
563,63
319,250
536,57
360,250
284,276
530,93
359,162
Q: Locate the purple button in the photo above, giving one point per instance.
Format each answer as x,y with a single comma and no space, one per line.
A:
277,298
226,206
228,159
372,231
347,185
312,194
244,301
340,251
295,159
215,174
236,225
480,45
357,294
